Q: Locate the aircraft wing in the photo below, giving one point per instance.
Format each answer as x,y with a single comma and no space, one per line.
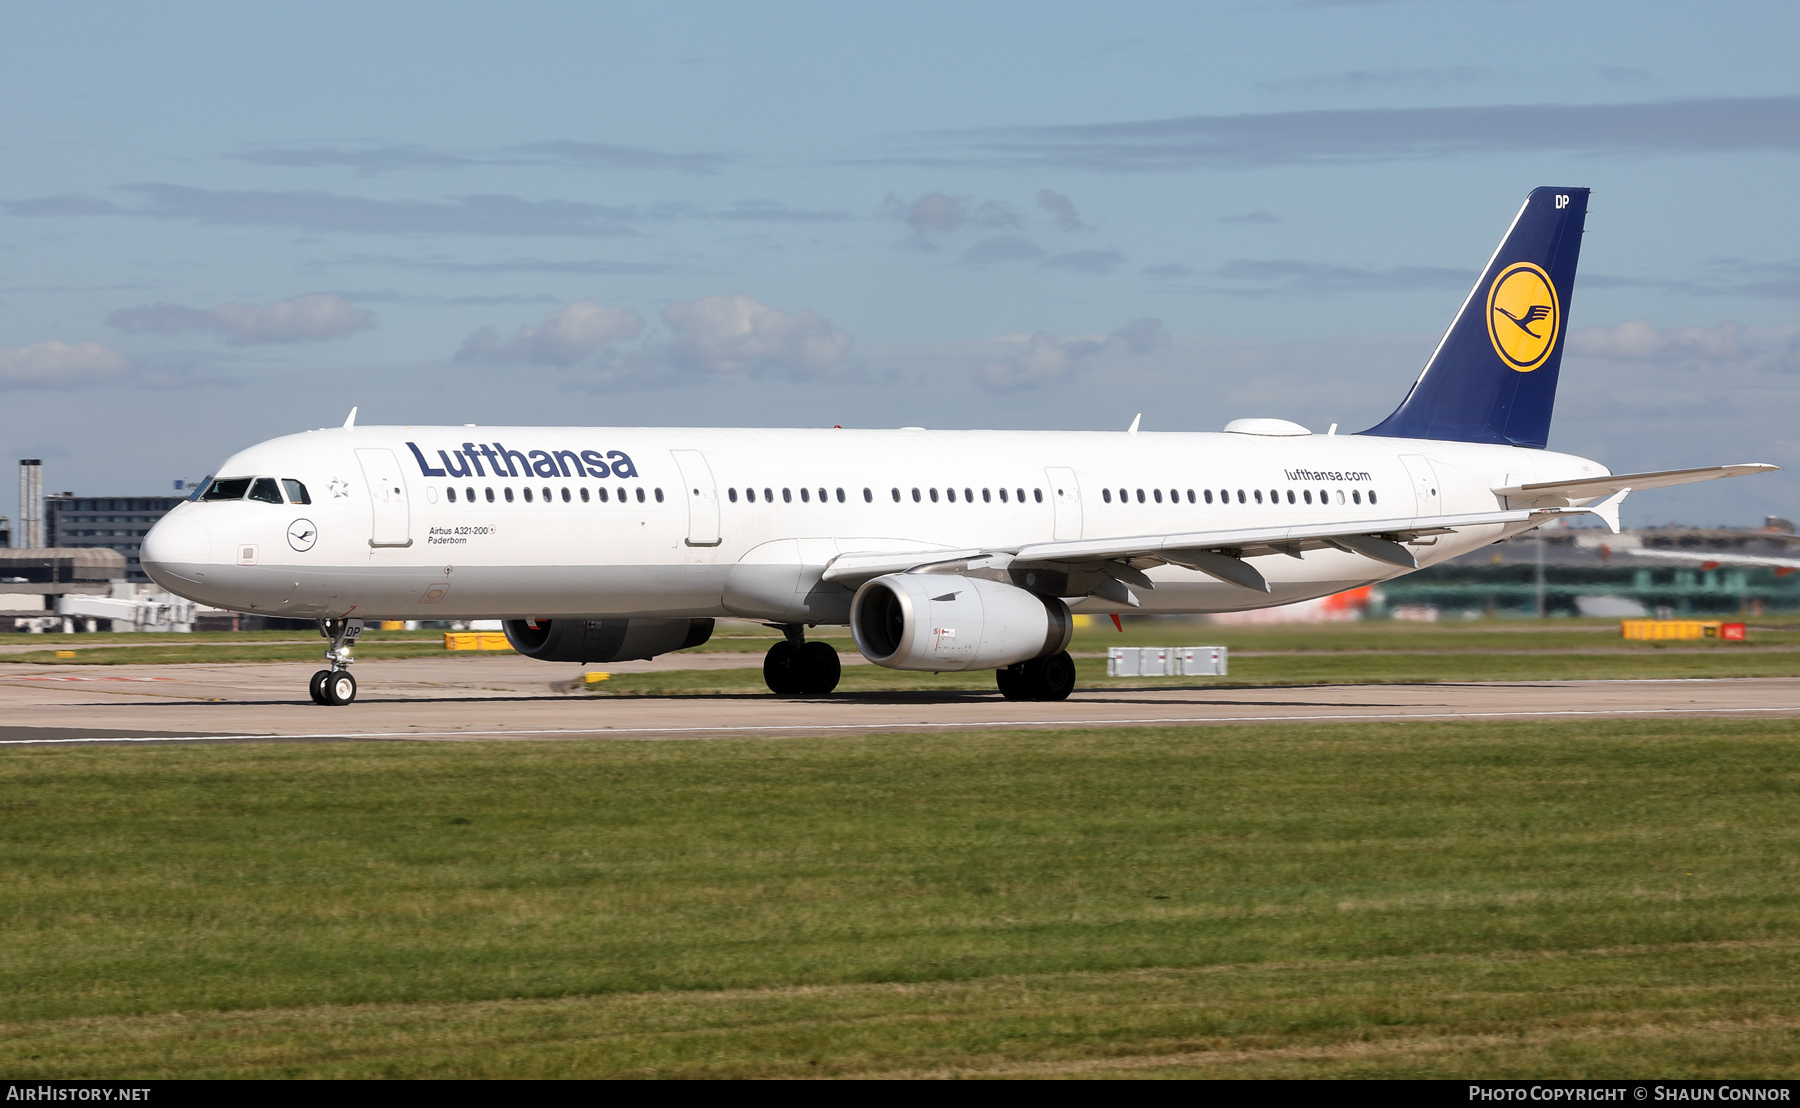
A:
1218,554
1604,486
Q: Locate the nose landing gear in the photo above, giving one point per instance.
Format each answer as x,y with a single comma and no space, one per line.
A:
795,667
334,685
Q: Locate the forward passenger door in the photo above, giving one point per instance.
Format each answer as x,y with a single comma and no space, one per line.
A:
392,522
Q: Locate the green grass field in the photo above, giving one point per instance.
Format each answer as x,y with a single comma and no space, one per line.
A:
1500,899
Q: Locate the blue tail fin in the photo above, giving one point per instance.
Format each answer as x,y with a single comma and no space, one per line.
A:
1493,377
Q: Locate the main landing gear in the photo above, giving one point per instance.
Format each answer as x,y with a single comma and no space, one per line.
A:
1051,678
334,685
795,667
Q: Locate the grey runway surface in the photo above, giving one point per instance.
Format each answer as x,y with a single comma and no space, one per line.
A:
507,697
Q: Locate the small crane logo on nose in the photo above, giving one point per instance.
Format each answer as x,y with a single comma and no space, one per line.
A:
302,533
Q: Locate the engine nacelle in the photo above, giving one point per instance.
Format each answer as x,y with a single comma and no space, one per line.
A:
931,622
603,640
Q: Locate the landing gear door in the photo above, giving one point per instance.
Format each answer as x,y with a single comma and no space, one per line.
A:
702,498
392,523
1427,500
1065,495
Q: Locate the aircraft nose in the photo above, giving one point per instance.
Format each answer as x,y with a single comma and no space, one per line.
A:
172,546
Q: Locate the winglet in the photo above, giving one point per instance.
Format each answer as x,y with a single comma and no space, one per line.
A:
1135,420
1608,509
350,420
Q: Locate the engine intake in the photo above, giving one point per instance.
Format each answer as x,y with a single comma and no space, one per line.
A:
603,640
929,622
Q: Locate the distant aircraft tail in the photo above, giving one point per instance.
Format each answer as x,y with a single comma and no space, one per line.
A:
1493,376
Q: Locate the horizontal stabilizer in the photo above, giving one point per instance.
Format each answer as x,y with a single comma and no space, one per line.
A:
1602,486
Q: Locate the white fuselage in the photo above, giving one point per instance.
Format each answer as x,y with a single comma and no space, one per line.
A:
741,522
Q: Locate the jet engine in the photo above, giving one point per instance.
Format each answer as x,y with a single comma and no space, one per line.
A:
940,623
603,640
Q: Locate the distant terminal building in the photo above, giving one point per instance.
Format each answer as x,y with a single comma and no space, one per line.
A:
1590,571
105,522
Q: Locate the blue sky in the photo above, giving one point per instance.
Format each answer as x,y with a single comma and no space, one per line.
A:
221,222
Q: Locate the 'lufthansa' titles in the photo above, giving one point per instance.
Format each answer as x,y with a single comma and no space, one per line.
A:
502,462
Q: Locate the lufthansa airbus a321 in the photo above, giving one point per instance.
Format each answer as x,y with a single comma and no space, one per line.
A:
941,550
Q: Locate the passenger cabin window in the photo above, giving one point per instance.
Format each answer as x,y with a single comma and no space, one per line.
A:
584,494
266,490
769,496
987,496
601,493
659,498
934,495
508,492
869,496
490,496
451,494
527,494
1209,496
805,497
640,495
296,491
1037,495
227,488
1371,496
565,495
731,495
1106,495
787,496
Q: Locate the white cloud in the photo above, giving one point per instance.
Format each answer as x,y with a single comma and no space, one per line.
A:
938,213
732,334
1638,341
314,317
1002,248
1061,208
1043,359
567,336
58,365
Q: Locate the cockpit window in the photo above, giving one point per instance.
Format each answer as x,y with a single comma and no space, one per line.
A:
265,490
296,491
227,488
